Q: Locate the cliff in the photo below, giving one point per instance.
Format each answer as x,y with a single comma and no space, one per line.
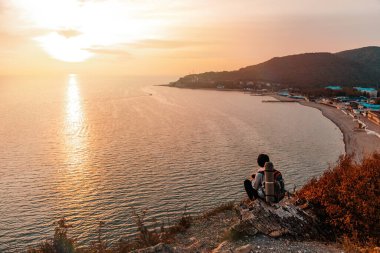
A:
253,226
341,208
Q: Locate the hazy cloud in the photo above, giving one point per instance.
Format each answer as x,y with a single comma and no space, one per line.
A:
165,44
69,33
108,51
183,34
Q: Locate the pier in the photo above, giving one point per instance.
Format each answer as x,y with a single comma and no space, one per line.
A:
278,101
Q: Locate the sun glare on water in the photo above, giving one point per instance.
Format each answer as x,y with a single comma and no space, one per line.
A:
74,108
74,138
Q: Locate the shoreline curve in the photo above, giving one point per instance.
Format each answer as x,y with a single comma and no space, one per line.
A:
359,144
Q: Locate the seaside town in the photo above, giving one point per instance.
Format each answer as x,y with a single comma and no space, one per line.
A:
352,101
355,110
364,102
360,103
360,106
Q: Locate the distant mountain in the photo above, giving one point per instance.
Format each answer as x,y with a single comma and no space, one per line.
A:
369,56
347,68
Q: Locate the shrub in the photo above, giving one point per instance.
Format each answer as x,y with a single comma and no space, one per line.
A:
184,222
146,237
60,243
347,198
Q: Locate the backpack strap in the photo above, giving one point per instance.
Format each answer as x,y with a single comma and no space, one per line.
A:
276,173
277,178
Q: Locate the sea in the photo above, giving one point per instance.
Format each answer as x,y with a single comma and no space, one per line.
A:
98,149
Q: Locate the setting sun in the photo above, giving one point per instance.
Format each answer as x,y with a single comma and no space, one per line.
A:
74,29
172,37
65,49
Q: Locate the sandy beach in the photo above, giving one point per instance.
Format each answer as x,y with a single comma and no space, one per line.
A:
359,143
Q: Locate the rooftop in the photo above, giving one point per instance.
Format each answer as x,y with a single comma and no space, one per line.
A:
365,89
371,106
333,87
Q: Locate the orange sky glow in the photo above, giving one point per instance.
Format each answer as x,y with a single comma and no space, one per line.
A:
168,37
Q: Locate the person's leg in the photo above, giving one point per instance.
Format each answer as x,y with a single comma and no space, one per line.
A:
251,192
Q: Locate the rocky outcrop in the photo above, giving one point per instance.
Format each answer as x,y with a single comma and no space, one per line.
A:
251,226
159,248
277,220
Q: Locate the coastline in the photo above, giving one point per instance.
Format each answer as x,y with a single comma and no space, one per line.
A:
357,143
214,230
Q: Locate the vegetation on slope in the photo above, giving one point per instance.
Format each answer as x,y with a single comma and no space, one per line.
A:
359,67
315,69
369,56
346,198
62,242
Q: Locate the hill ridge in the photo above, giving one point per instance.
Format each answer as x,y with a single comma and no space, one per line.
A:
316,69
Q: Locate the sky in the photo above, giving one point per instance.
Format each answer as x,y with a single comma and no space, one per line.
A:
167,37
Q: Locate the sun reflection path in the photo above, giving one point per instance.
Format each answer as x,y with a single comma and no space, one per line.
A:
76,180
74,107
75,125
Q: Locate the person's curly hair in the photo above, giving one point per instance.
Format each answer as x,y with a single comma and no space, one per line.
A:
262,159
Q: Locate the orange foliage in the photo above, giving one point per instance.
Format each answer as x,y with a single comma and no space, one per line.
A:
347,198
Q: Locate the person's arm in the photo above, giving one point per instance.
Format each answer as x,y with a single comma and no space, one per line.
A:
258,181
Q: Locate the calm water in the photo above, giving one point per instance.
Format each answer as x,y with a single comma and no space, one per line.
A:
91,149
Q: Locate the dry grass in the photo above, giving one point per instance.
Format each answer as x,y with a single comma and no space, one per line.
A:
347,199
229,206
146,237
233,235
59,243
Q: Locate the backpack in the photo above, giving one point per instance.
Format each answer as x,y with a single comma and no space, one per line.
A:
279,186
